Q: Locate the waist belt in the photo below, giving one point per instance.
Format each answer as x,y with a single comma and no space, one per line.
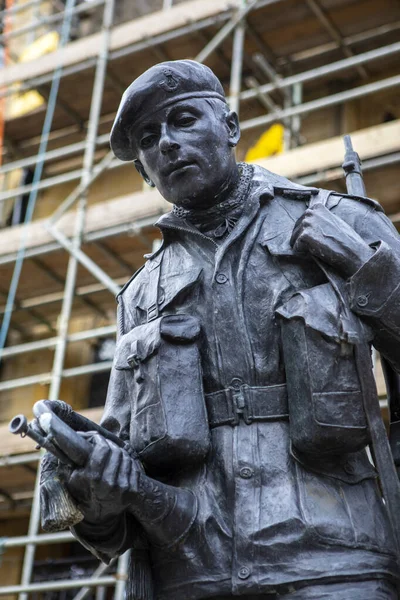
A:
261,403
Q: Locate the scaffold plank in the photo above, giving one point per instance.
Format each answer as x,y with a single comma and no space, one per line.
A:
125,209
143,28
313,158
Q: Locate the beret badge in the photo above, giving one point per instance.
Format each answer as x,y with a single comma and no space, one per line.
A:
169,83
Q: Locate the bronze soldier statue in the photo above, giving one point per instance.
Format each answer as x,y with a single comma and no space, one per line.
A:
240,372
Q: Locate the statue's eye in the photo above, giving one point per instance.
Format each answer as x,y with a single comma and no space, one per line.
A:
185,120
147,140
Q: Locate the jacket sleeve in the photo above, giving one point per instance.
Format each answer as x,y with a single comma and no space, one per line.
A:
111,538
374,290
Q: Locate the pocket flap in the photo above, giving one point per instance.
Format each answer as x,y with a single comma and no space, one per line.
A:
170,287
349,468
320,309
180,328
137,345
279,244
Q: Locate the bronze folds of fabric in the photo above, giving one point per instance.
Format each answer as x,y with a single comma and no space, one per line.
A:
161,359
326,408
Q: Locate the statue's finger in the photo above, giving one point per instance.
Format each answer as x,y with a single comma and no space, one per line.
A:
112,468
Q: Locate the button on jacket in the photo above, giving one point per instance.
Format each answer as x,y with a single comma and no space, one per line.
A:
266,515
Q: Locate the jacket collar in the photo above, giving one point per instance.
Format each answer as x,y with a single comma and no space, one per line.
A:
265,187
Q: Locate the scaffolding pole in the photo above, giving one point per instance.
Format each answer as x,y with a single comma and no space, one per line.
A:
50,20
237,65
283,83
98,332
60,349
122,576
63,584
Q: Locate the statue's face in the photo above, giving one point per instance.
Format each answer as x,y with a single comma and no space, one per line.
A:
187,151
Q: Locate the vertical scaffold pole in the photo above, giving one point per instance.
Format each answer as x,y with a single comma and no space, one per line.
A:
237,65
122,576
88,162
59,356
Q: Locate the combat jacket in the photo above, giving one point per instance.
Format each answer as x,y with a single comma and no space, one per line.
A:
266,515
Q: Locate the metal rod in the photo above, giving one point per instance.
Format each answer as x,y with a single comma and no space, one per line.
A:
60,348
62,584
84,259
85,591
334,32
19,459
30,548
44,378
38,540
51,342
329,69
122,576
237,64
362,36
295,126
83,186
85,290
270,72
267,88
226,31
337,173
130,49
245,95
313,105
16,8
47,20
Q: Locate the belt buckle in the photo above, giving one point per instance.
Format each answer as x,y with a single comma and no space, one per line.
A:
240,406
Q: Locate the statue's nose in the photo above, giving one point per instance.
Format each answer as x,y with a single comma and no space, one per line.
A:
167,142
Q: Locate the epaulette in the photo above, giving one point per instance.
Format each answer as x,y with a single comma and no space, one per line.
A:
122,290
370,201
295,193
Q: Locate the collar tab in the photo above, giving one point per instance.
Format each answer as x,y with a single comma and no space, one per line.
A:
303,194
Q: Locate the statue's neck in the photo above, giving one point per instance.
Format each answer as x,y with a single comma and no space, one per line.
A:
219,219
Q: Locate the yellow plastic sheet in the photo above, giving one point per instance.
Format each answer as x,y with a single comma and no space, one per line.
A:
21,104
270,143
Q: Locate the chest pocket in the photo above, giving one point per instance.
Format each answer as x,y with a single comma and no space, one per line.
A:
319,340
169,427
299,270
167,284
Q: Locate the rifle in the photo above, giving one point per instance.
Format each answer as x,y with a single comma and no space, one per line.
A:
386,454
55,428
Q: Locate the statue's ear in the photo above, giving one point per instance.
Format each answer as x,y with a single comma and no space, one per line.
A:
232,121
140,169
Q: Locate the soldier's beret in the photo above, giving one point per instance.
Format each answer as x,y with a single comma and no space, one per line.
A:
159,86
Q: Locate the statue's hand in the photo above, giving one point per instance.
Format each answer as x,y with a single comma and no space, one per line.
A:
330,239
103,486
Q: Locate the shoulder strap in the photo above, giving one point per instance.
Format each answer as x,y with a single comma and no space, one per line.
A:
321,198
152,291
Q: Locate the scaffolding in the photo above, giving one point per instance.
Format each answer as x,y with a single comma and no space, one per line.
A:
279,89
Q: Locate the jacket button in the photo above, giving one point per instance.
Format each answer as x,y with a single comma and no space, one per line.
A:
362,301
221,278
161,296
244,573
236,383
348,468
246,473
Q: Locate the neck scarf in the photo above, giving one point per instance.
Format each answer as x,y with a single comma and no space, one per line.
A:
219,220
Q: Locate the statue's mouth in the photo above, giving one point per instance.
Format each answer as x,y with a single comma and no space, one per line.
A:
178,166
